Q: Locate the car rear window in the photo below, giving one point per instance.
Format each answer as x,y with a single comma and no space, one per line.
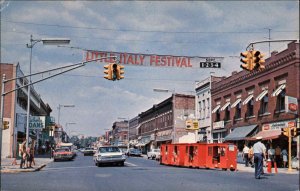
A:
109,149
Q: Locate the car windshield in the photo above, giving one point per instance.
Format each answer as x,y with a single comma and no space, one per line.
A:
88,148
156,150
109,149
62,150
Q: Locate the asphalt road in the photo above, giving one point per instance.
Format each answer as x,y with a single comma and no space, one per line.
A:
140,174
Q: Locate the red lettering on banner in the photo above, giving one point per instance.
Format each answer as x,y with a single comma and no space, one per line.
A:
112,59
152,59
189,62
157,60
178,61
163,60
142,57
125,56
130,59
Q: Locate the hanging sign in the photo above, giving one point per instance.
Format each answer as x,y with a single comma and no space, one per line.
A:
155,60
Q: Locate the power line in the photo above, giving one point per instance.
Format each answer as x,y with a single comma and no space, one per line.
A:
131,30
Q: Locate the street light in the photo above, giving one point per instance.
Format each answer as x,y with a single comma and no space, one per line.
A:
70,123
59,106
46,41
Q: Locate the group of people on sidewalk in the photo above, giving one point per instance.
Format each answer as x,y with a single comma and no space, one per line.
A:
257,154
26,154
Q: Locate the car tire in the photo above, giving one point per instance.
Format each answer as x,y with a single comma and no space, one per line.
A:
98,164
121,163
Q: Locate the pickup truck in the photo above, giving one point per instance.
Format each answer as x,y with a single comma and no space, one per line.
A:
153,154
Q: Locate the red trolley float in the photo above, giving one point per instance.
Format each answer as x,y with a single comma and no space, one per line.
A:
200,155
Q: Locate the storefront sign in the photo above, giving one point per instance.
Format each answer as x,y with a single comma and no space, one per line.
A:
218,125
37,122
155,60
291,105
278,125
164,133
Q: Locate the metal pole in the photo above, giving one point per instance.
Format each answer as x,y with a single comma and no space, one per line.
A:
58,114
28,94
290,151
1,115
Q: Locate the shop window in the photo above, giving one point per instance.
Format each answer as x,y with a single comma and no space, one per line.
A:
175,150
250,108
264,104
281,101
191,153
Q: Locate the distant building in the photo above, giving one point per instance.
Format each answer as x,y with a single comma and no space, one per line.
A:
120,133
165,122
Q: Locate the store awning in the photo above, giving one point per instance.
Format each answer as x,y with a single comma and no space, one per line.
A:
248,99
225,106
278,90
216,108
240,133
261,95
267,135
236,102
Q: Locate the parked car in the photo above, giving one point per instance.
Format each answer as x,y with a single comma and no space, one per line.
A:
134,152
62,154
88,151
109,155
153,154
124,150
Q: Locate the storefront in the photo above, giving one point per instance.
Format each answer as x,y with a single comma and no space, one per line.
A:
219,132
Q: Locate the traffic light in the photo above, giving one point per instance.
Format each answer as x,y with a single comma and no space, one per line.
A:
191,125
285,131
114,72
5,125
247,60
258,60
120,72
295,131
108,71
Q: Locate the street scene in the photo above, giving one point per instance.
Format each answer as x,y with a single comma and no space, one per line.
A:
149,95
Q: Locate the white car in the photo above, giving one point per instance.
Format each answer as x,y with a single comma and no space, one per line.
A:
153,154
109,155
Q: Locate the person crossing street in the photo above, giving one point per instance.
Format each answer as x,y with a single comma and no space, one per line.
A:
259,151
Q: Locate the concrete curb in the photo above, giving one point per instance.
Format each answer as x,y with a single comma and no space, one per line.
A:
22,170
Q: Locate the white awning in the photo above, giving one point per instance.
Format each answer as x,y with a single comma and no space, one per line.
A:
248,99
216,109
261,95
278,90
225,106
236,102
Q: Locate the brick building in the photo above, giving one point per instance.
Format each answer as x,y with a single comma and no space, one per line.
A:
120,133
248,104
165,122
15,110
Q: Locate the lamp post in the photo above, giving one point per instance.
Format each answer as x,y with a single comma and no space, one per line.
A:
59,106
46,41
70,123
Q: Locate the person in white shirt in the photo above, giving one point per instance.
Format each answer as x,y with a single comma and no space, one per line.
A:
246,155
259,151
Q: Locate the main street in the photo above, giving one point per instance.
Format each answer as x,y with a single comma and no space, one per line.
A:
139,174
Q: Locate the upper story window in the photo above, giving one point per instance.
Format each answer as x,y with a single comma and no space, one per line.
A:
280,100
264,104
250,108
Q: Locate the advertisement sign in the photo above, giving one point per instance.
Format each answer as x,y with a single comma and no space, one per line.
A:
37,122
291,105
278,125
155,60
218,125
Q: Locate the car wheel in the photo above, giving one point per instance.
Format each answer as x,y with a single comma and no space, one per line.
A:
121,163
54,160
98,164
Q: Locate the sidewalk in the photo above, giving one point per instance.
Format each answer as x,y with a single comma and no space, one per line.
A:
8,167
242,168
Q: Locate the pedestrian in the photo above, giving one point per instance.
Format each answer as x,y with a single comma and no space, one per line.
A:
251,156
284,157
22,151
246,155
43,149
278,155
271,154
259,151
29,158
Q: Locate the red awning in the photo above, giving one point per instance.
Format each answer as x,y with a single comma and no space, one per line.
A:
266,135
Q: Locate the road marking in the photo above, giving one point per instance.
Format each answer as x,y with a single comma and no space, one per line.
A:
130,164
72,167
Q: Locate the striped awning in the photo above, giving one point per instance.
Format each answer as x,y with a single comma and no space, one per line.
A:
278,90
248,99
216,108
261,95
236,102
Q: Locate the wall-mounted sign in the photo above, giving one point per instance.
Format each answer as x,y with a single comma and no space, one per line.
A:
218,125
278,125
37,122
291,105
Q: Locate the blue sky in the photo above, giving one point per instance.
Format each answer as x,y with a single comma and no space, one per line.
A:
181,28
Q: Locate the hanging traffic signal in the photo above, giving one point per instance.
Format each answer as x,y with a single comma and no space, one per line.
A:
247,60
5,125
285,131
115,72
258,60
295,131
120,72
108,71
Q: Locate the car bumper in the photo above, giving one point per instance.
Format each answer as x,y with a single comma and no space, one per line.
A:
63,157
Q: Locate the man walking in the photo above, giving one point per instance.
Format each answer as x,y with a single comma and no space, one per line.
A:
246,155
259,151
